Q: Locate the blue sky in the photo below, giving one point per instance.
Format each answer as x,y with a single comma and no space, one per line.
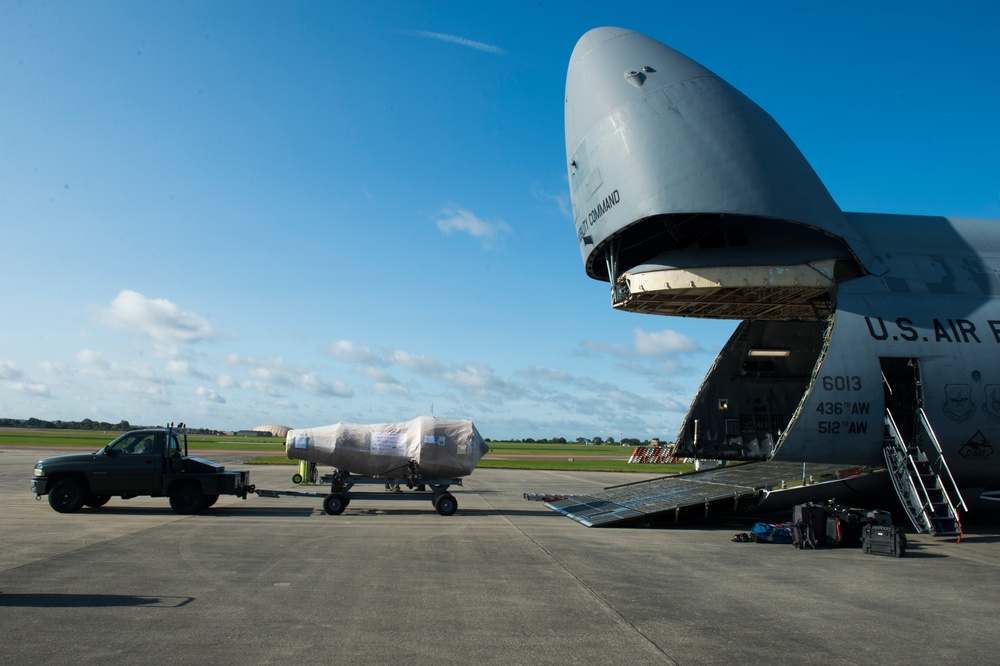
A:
243,213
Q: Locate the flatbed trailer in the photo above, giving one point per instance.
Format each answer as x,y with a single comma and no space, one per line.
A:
341,484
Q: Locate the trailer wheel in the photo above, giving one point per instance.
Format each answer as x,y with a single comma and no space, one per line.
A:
446,504
67,496
187,497
95,501
335,503
296,478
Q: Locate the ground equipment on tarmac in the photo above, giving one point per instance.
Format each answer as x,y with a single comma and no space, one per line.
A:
146,462
883,540
423,453
342,483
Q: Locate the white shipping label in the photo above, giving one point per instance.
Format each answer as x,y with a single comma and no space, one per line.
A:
301,442
434,439
388,444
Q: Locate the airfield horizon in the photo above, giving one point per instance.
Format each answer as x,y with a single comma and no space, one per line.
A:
502,455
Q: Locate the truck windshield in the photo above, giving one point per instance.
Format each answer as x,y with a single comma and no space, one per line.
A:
133,443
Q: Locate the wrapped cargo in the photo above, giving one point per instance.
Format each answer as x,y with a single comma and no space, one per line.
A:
441,448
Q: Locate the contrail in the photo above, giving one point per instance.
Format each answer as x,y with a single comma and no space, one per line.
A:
461,41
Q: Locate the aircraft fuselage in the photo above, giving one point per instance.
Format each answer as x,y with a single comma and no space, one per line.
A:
691,201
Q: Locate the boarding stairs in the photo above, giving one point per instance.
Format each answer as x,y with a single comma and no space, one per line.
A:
923,482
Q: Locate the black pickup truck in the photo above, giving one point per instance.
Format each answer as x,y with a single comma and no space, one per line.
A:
140,462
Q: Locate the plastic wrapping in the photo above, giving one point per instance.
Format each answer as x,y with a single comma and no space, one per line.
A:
442,448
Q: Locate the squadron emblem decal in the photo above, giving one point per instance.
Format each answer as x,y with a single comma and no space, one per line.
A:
958,405
992,405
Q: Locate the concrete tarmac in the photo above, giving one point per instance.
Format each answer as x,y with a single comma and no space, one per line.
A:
267,581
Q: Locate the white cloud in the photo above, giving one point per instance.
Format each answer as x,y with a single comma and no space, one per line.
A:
390,388
662,343
266,375
475,376
9,372
378,375
260,387
185,368
454,218
347,351
561,200
423,365
545,374
157,318
95,364
32,390
461,41
209,395
311,383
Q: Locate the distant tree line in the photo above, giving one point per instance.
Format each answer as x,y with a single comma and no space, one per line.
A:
123,426
88,424
85,424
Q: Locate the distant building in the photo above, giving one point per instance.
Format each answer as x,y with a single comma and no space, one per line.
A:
271,431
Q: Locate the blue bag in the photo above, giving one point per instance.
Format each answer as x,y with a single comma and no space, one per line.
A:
768,533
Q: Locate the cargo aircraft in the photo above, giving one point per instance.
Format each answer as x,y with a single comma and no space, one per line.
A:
865,339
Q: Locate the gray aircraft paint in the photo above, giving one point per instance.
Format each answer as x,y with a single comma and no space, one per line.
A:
692,201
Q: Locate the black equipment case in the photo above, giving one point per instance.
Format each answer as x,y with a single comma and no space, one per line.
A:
879,540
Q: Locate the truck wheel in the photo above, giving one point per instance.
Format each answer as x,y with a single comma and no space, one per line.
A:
67,496
95,501
210,500
187,497
446,504
334,504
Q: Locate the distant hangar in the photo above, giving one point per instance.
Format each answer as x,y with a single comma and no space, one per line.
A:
274,430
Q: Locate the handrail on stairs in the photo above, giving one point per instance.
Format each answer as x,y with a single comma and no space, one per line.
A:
921,501
925,422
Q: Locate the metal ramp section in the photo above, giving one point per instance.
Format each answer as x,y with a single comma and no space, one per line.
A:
723,490
924,483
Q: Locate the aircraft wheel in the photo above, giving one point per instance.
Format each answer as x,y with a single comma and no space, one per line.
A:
67,496
187,497
95,501
297,478
446,504
335,503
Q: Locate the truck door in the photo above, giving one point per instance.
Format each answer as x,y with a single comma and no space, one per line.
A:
133,465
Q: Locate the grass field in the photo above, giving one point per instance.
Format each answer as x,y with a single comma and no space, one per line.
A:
95,439
522,448
542,456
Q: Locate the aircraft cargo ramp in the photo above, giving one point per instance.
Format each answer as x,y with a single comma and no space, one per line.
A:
715,492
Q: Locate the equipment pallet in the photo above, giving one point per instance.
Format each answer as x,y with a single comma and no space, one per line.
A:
340,495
